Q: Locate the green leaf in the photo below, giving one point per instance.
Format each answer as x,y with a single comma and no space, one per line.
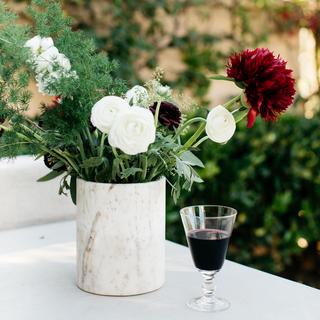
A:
58,165
92,162
183,169
220,77
176,190
189,158
115,168
130,172
73,189
195,177
243,102
50,176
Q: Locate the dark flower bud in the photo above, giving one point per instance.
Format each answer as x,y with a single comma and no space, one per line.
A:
169,114
50,161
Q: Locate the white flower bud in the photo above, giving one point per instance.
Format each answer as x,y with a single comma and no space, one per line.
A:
220,125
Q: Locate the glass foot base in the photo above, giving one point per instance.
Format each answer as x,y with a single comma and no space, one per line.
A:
208,305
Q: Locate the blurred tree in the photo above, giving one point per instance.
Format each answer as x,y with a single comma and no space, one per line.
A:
137,33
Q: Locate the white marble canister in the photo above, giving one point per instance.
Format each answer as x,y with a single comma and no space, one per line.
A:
120,237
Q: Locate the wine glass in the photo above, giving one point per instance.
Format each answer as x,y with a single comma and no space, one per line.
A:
208,229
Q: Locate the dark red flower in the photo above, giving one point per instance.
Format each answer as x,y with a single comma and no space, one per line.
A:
268,84
169,114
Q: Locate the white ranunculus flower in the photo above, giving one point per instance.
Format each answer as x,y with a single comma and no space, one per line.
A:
104,112
39,45
220,125
133,131
137,96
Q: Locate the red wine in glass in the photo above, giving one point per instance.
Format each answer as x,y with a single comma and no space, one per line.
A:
208,229
208,248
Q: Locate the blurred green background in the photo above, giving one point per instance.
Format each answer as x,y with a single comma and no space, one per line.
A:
270,173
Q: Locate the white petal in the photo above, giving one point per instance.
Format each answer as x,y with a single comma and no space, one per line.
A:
44,62
38,45
33,43
46,43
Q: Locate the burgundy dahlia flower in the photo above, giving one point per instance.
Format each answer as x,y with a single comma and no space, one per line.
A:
268,84
169,114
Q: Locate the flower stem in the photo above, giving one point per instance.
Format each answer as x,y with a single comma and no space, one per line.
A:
144,168
87,133
82,153
193,138
102,144
220,77
156,116
203,139
187,124
114,150
155,171
231,102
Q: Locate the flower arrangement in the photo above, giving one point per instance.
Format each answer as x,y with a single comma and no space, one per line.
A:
98,130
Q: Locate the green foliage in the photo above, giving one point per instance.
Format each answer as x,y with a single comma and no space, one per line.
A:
270,173
64,132
94,71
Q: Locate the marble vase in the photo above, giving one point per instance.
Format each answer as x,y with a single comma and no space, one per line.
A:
120,237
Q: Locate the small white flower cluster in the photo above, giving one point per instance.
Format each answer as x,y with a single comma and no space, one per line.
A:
49,64
131,129
161,90
139,96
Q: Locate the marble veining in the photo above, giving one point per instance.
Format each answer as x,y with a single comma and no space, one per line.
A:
87,251
120,237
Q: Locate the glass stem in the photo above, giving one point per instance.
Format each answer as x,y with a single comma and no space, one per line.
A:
208,286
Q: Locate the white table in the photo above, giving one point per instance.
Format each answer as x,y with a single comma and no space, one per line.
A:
36,203
37,281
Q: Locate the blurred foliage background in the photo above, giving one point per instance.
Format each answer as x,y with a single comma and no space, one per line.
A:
269,173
